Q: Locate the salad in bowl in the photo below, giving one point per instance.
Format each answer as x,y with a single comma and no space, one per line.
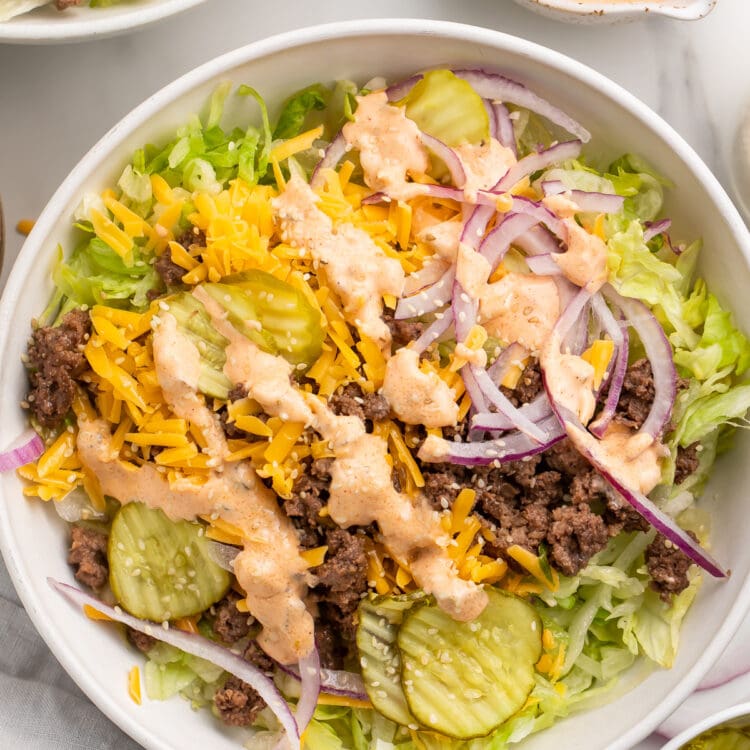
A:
382,424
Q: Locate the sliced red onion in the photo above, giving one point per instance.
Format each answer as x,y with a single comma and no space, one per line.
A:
222,554
499,88
511,447
375,198
536,410
309,669
541,213
478,401
500,401
197,645
656,227
587,201
535,161
492,116
430,273
505,132
476,226
498,241
332,156
618,332
428,300
513,354
659,353
27,447
398,91
433,332
543,265
538,241
448,156
334,682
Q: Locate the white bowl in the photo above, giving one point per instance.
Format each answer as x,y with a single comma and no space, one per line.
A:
31,536
738,716
47,25
611,11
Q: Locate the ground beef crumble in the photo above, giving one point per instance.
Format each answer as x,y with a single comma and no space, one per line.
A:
668,567
352,401
637,395
230,624
141,641
237,703
88,556
55,360
171,273
686,463
402,331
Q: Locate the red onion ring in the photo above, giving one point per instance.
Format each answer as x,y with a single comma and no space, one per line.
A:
498,241
505,133
499,88
659,353
513,446
332,156
535,411
27,447
507,358
448,156
476,225
618,332
309,668
543,265
535,161
652,228
398,91
428,300
334,682
197,645
538,241
587,201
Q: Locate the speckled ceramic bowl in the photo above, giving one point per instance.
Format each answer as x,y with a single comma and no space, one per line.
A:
33,538
736,716
611,11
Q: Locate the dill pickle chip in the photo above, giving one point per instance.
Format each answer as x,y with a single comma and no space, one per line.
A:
379,619
284,313
161,569
464,679
195,323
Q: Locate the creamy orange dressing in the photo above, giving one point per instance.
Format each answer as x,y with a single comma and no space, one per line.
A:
484,165
585,260
389,146
362,492
418,397
520,308
632,461
359,270
442,238
269,568
472,271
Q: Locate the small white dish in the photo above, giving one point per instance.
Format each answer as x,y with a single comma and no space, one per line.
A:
47,25
611,11
738,716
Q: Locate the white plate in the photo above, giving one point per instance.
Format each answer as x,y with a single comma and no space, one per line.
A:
32,538
47,25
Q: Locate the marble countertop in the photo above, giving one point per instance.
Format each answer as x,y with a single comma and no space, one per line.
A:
56,102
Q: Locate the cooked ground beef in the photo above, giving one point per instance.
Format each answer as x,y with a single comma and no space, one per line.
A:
575,536
668,567
237,392
637,395
564,457
140,640
237,703
331,646
88,556
402,331
441,487
55,360
342,580
63,4
230,624
309,495
352,401
257,656
171,274
686,463
528,386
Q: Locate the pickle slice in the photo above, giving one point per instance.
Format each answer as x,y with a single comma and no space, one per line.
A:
464,679
379,619
195,323
290,324
160,569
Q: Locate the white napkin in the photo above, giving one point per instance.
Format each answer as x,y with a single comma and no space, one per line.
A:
41,708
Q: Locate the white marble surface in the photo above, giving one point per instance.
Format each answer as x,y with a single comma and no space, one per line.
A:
55,102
